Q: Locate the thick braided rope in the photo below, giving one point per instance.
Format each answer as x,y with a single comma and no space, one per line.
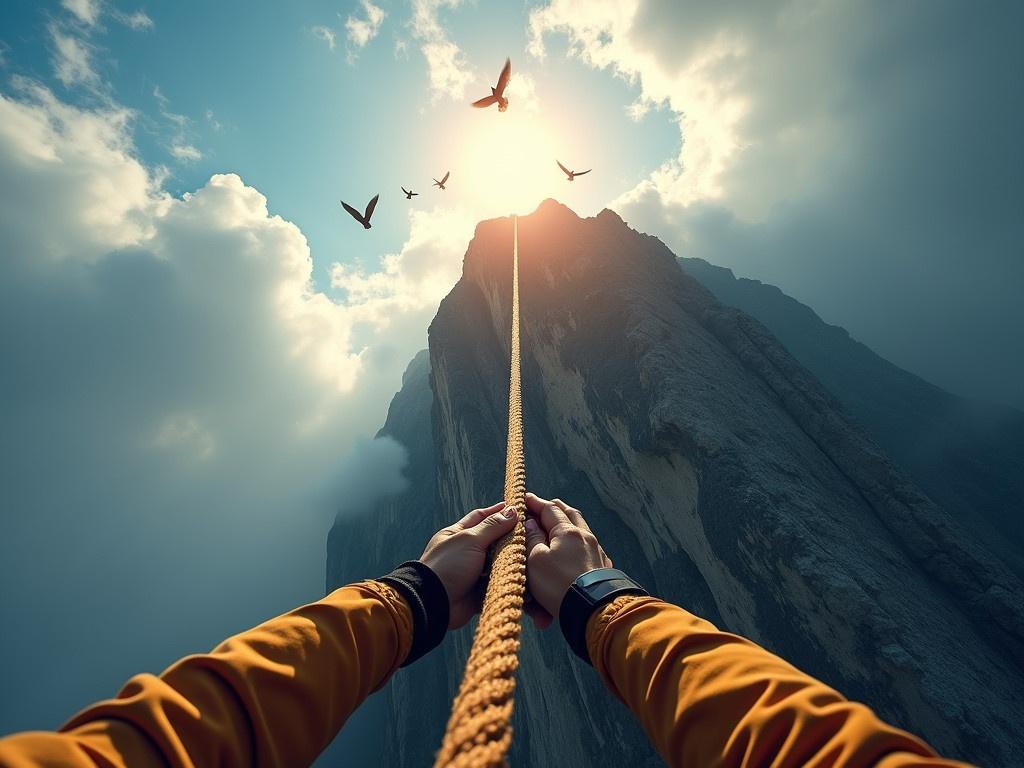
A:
479,729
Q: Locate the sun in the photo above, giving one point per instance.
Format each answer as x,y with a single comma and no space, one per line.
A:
509,161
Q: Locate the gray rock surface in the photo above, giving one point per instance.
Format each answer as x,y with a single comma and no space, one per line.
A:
967,455
716,469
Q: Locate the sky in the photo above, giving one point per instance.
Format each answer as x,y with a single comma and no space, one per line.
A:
199,344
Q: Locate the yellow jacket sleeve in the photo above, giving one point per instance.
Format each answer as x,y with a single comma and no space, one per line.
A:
272,696
710,698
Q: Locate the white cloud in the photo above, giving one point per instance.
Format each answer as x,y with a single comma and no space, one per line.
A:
416,278
137,20
72,59
86,11
213,122
809,156
324,33
697,87
362,31
522,89
184,432
164,104
180,147
186,152
202,394
373,471
447,67
79,192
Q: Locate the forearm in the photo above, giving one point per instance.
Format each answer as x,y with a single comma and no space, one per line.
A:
274,695
707,697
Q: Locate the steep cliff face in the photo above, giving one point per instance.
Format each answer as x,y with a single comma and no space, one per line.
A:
716,470
968,456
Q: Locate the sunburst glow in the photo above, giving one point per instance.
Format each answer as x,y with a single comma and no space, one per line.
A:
509,160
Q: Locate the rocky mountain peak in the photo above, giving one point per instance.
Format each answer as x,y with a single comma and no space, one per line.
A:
719,472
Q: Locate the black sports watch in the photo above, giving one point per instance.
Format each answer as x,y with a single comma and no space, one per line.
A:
588,593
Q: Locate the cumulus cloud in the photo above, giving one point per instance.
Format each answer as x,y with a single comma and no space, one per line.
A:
827,148
414,279
173,376
73,191
696,86
361,31
447,67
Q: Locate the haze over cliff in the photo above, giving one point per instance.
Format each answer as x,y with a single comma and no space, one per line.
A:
716,469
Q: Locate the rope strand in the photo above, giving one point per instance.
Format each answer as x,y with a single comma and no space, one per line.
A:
479,730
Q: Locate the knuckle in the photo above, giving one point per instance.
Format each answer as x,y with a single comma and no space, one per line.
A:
576,534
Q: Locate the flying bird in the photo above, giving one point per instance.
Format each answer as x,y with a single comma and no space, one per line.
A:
497,92
409,193
440,184
572,174
362,218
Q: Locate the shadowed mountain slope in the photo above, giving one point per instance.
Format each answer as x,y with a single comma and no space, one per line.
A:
967,455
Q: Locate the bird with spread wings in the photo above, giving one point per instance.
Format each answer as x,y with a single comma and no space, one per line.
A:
572,174
362,218
498,92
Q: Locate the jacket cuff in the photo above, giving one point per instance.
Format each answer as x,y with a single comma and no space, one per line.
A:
420,587
600,622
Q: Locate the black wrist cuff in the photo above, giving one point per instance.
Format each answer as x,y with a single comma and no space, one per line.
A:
428,600
587,594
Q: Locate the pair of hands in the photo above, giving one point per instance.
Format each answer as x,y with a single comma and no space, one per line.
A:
559,547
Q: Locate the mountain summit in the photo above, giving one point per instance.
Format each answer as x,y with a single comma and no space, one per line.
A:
717,471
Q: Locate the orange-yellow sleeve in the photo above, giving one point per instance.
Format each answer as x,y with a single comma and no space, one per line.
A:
274,695
706,697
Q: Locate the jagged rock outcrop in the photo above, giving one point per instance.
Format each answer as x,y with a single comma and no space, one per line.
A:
716,469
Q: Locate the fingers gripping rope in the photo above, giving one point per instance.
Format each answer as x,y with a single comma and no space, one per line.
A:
479,730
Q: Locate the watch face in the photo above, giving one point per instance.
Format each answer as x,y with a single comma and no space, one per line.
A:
597,575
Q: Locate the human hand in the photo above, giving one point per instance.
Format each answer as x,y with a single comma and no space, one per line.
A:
559,547
457,555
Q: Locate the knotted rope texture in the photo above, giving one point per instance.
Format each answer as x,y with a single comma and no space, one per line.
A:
479,730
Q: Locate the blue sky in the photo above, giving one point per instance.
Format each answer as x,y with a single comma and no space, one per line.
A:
198,343
267,98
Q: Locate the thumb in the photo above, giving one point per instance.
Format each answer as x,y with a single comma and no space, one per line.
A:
534,536
493,527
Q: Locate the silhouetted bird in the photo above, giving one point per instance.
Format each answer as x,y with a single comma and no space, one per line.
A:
573,174
440,184
362,218
498,92
409,193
